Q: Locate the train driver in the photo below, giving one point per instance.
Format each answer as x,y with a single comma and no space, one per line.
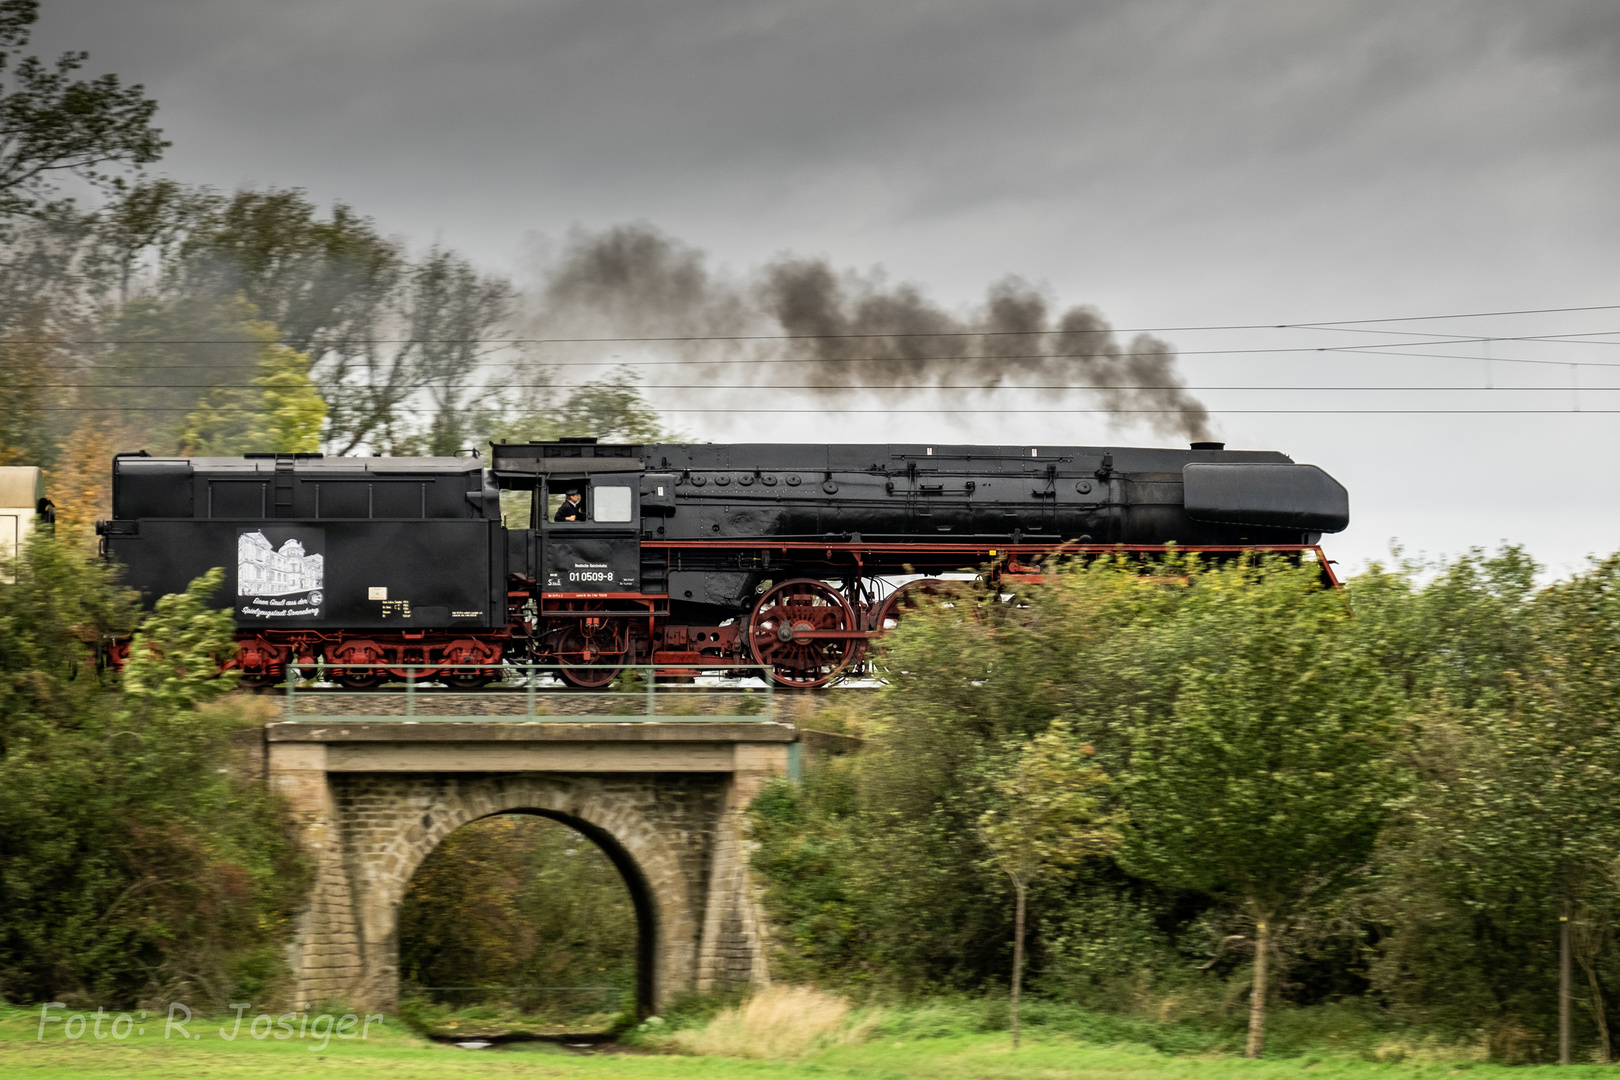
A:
571,509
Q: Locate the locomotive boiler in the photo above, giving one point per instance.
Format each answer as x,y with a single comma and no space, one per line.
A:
684,556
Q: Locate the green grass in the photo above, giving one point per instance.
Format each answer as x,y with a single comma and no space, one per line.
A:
918,1043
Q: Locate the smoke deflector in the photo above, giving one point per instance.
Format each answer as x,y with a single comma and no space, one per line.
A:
1280,496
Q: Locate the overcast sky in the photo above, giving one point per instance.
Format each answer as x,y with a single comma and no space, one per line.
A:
1176,163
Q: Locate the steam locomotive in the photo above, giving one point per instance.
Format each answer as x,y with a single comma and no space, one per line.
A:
687,557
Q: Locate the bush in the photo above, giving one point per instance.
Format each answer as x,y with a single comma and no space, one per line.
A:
779,1022
136,865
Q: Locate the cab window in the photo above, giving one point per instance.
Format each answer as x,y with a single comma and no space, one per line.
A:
613,503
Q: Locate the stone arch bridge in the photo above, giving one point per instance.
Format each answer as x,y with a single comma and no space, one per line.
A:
664,800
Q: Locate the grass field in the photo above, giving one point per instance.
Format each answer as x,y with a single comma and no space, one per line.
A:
389,1050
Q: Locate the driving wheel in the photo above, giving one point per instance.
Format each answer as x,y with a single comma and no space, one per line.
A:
895,607
904,600
804,631
580,651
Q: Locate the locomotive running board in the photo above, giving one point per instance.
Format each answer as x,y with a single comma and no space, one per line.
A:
992,549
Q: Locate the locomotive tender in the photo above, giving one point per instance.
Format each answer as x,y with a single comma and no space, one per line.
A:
690,556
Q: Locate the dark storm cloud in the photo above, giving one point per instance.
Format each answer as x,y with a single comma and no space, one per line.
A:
1170,161
1082,141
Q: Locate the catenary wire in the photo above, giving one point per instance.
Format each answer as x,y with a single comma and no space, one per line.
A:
1430,339
1331,324
1576,410
896,386
1368,350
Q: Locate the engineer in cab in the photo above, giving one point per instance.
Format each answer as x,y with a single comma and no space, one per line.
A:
572,508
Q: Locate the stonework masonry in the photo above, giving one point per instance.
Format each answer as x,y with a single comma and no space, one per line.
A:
369,809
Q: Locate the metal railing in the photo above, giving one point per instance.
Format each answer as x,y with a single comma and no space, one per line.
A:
530,693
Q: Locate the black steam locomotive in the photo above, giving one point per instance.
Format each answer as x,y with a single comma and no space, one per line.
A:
685,556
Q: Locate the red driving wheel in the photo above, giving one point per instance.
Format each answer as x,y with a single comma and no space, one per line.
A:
887,615
585,648
804,631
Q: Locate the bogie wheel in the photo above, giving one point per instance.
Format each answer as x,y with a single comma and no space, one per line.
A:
467,680
786,632
359,680
355,652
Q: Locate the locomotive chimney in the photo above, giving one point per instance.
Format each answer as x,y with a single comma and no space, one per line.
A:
1209,446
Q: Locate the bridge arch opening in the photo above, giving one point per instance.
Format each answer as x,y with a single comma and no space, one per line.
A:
625,818
534,910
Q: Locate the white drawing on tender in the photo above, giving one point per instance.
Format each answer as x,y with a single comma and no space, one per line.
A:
261,570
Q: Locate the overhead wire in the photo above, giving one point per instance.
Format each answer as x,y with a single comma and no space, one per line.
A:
1387,349
1332,324
822,387
1404,349
1006,412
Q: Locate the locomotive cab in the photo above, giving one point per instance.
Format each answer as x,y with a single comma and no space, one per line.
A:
598,555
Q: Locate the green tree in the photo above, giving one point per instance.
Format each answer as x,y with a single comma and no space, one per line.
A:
30,363
281,411
1498,869
207,376
41,309
1573,695
613,409
396,346
1266,778
878,868
1046,814
147,223
52,123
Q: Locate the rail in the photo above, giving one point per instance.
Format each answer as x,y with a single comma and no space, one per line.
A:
526,999
532,693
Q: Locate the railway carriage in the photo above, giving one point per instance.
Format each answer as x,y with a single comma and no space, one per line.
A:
688,557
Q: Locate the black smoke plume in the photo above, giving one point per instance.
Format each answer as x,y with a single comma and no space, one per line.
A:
831,331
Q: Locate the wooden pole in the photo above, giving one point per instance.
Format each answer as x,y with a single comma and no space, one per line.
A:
1018,952
1257,992
1563,987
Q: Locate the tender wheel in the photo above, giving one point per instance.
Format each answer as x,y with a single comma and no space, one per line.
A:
356,652
785,631
359,680
467,680
459,675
